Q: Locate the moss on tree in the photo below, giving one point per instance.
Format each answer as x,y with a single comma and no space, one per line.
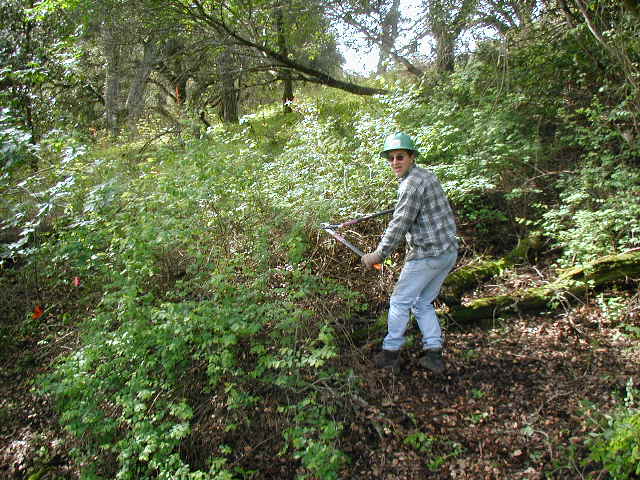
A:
570,284
468,277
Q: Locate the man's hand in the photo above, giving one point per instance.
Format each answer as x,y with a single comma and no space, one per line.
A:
371,259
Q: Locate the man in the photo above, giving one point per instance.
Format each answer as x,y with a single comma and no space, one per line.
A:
424,218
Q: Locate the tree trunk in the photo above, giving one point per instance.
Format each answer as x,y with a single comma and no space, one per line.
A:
524,11
472,275
568,15
173,68
446,20
571,285
287,82
135,99
287,93
389,35
445,52
229,106
445,24
112,54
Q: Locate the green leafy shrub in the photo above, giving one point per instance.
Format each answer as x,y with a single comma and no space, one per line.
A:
617,445
598,213
312,437
437,451
331,168
16,149
200,276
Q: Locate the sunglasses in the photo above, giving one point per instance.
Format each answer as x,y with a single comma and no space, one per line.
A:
400,157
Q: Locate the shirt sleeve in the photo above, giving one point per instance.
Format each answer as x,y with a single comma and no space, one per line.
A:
404,214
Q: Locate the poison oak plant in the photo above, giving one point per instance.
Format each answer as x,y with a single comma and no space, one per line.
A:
236,308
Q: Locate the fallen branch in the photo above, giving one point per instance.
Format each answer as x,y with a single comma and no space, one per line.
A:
472,275
572,283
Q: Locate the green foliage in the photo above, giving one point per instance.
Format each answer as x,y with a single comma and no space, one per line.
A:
617,444
598,212
331,164
33,69
198,273
551,110
16,149
613,308
437,451
313,436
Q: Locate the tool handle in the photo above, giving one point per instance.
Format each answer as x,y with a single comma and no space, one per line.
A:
366,217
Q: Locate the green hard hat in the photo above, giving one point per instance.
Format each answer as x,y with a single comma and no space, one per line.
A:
398,141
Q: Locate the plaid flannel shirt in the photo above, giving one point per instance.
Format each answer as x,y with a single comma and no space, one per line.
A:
422,216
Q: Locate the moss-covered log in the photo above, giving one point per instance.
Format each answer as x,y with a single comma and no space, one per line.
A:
571,284
474,274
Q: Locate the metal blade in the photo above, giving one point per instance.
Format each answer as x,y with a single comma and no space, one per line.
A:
345,242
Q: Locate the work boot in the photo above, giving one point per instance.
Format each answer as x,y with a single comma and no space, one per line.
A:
388,359
432,360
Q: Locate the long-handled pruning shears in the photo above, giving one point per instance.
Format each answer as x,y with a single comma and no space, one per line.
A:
331,230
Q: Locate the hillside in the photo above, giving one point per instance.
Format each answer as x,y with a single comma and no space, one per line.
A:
193,311
170,307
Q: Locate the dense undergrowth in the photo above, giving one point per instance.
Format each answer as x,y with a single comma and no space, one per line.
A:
191,268
199,277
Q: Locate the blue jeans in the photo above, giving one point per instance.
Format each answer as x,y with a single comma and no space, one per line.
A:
416,289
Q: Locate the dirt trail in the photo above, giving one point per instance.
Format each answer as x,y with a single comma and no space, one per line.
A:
509,405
